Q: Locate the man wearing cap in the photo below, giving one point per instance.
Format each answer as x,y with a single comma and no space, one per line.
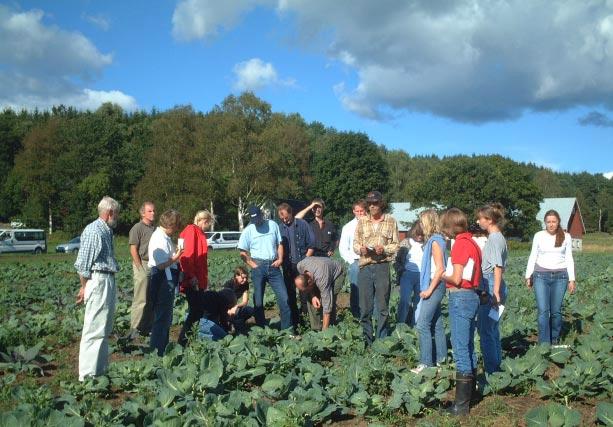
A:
345,248
321,279
298,243
261,249
376,241
326,236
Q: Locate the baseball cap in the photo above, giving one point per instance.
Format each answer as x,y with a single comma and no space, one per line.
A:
374,196
254,212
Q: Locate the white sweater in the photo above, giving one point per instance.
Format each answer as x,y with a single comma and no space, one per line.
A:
546,255
345,245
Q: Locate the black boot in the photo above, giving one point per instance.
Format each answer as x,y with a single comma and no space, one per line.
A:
476,394
463,392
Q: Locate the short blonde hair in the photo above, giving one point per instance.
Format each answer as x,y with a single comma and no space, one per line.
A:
204,214
430,223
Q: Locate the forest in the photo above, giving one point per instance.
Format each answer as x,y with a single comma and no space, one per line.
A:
56,165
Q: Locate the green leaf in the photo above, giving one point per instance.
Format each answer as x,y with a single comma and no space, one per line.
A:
604,413
537,417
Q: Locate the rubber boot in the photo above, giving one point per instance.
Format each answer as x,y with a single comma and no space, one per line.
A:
476,394
463,392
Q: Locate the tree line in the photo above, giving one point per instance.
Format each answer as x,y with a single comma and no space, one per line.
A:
56,165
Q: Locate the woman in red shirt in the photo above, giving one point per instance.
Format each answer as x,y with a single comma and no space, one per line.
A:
194,265
463,304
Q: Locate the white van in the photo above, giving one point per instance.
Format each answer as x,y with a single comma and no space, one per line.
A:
223,239
23,240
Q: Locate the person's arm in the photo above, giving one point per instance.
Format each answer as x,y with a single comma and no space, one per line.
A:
246,257
439,269
310,239
135,256
188,257
570,264
344,247
245,299
532,260
306,210
277,263
91,244
497,284
174,258
358,244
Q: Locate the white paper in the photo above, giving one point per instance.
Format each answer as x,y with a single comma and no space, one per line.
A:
181,243
496,314
467,273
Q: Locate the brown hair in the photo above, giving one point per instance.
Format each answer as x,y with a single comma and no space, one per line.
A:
493,211
430,223
559,231
240,270
285,207
416,230
454,222
361,203
170,218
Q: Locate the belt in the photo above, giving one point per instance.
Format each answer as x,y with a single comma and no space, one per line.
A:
103,272
460,289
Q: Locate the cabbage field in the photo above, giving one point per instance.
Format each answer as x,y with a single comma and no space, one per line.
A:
270,378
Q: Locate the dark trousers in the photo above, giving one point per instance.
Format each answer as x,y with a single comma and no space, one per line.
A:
240,318
194,312
290,272
374,293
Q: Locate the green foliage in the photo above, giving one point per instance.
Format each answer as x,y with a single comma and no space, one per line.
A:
553,415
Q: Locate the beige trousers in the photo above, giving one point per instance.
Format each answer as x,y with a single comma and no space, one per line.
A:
141,312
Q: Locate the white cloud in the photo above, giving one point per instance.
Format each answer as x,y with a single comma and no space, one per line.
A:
608,175
255,74
43,65
99,21
468,60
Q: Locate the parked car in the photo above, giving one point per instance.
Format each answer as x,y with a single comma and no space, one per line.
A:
23,240
71,247
223,239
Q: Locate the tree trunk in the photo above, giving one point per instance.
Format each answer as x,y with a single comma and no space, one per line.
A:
240,214
50,220
213,214
599,220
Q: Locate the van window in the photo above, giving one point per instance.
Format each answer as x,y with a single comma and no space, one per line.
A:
28,236
231,236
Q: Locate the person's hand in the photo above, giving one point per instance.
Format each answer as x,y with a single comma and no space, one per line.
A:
81,295
379,250
330,253
572,286
232,311
496,300
177,255
276,263
529,282
363,250
316,302
425,294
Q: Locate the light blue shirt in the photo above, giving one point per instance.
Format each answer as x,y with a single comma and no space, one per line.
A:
262,241
96,250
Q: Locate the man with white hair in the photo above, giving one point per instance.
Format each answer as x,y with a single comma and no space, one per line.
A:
96,265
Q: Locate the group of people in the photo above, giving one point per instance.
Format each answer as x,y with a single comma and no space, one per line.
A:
295,258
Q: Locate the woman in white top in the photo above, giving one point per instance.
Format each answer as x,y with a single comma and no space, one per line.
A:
163,259
551,271
408,263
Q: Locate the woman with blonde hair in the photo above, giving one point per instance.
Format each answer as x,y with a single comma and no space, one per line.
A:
551,270
430,321
194,264
163,257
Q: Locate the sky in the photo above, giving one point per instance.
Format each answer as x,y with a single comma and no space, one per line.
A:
528,79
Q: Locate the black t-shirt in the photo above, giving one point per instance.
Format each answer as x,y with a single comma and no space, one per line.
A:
215,305
325,237
239,290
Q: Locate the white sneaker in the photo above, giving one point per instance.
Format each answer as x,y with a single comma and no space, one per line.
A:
419,368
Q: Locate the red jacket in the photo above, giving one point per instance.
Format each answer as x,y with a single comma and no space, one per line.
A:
194,257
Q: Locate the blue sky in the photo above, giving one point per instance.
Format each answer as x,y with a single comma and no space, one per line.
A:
530,80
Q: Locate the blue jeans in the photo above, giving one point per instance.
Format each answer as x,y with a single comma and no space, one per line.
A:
429,323
207,329
354,292
549,289
463,306
259,276
374,287
409,297
161,296
489,332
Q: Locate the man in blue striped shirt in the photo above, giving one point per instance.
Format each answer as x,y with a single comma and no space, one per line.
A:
96,265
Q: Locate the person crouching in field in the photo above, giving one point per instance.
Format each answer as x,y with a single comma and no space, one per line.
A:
463,304
96,265
241,311
214,306
194,264
163,261
491,218
321,279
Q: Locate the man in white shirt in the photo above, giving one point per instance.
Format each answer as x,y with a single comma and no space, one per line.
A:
345,248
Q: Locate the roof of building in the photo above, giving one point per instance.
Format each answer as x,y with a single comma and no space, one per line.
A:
563,205
404,215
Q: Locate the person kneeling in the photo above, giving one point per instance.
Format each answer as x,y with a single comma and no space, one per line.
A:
241,312
214,323
321,280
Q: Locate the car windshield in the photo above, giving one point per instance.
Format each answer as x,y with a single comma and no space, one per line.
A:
75,240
